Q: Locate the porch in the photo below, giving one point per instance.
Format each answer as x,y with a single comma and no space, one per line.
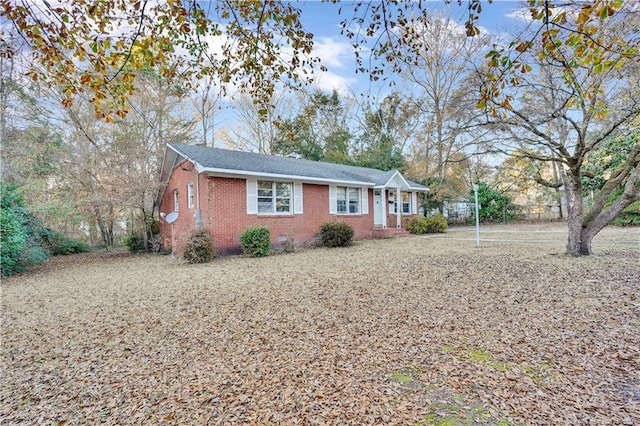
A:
394,200
379,232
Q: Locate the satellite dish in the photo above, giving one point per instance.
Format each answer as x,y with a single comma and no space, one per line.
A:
171,217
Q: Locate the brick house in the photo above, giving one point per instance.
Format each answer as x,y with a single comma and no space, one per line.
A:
225,192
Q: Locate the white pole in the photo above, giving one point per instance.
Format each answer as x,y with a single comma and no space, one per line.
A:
172,243
475,196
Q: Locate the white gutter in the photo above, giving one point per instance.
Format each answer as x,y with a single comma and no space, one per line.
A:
412,188
242,173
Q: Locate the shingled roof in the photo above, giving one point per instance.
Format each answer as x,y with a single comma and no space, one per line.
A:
224,161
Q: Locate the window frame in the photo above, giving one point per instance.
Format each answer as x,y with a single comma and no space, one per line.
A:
190,196
352,196
275,195
407,203
176,200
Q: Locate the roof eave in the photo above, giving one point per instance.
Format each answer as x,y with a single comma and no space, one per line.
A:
397,173
412,188
309,179
165,172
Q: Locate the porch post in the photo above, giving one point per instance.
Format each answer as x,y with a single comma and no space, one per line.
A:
383,206
398,208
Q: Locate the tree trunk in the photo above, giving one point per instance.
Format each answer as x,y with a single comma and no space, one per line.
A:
145,231
557,173
583,228
586,238
595,224
105,226
573,189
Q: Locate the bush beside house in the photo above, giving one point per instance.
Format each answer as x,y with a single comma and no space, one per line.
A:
427,225
336,234
256,241
199,248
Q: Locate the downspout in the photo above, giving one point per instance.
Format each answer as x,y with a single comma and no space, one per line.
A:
198,215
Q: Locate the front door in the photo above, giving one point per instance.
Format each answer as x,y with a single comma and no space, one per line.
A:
378,209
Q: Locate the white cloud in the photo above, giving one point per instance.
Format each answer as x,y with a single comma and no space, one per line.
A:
521,14
338,59
328,81
524,13
332,53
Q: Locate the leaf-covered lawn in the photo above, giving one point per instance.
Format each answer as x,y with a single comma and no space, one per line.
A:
417,330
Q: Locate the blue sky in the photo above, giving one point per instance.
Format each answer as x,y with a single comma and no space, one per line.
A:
337,55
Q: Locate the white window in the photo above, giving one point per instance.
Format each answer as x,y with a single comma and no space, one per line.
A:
393,202
190,195
348,200
274,197
406,203
176,204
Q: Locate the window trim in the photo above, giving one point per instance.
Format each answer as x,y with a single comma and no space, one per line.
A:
411,203
190,196
348,200
274,198
176,200
408,203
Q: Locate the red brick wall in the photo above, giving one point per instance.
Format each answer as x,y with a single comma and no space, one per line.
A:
224,212
182,175
229,218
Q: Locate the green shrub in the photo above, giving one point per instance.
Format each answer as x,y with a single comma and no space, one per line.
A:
25,240
256,241
494,206
12,240
23,236
336,234
436,224
629,216
135,244
427,225
417,225
626,219
61,245
32,254
154,227
199,248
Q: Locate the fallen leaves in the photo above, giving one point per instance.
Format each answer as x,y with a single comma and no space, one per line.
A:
413,330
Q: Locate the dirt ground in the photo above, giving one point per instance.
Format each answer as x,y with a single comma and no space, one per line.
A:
416,330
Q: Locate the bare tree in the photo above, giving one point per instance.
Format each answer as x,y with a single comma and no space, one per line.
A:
439,77
205,101
564,109
253,131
